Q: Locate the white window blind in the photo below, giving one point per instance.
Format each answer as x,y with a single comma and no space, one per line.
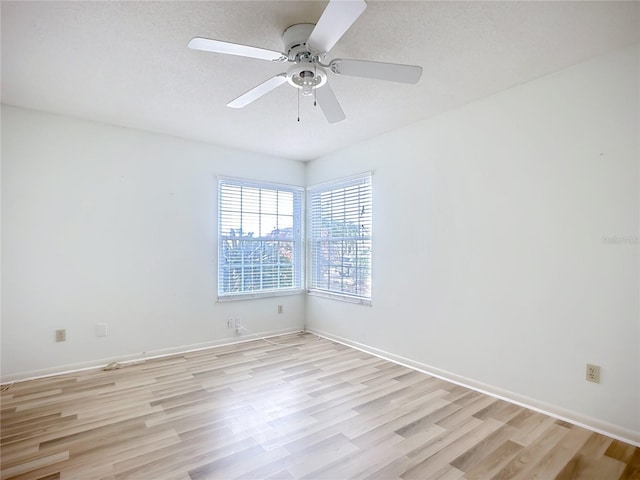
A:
259,238
340,238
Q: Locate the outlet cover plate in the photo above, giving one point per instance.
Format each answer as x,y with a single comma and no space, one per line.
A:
61,335
593,373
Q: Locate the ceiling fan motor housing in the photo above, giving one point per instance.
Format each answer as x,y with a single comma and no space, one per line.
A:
305,74
295,41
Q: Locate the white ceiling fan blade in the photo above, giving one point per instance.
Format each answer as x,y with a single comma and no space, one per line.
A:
392,72
333,24
256,92
329,104
218,46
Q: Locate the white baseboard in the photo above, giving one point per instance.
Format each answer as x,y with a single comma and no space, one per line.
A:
590,423
138,357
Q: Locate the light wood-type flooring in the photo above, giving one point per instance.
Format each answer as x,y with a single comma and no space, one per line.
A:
312,409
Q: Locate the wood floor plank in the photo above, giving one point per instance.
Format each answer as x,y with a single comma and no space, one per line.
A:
493,463
423,451
527,458
440,460
307,408
552,463
34,464
481,450
583,467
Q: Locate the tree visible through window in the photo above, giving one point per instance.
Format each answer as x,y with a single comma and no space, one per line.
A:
260,238
340,231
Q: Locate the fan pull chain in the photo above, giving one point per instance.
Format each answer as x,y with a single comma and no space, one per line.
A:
315,73
298,103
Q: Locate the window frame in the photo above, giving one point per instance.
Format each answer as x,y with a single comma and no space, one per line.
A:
312,255
296,238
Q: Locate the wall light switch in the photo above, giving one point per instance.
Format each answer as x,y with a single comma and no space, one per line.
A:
101,329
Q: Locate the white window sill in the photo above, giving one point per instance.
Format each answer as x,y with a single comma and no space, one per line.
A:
340,297
253,295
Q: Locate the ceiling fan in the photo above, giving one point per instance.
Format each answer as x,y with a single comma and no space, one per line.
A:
306,46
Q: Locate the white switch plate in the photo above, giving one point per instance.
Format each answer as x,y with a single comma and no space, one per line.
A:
101,329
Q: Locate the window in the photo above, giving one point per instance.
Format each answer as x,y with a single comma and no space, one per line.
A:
340,238
260,238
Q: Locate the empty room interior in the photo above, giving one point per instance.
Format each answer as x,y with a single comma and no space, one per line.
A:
320,240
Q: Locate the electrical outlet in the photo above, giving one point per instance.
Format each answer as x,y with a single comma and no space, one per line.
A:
61,335
280,308
231,322
593,373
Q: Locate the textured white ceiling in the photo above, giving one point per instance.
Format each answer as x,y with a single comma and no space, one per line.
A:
127,63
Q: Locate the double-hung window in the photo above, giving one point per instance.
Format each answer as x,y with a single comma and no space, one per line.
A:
340,238
259,238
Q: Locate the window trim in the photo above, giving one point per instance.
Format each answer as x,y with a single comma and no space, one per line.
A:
298,240
362,178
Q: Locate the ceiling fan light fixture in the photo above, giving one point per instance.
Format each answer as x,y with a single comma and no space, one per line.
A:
306,77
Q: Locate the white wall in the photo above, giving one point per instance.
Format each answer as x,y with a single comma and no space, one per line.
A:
489,254
505,203
110,225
